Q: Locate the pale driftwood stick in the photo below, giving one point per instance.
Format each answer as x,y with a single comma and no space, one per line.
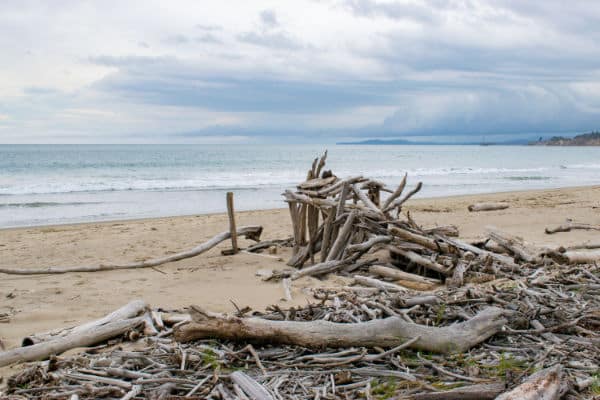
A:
376,283
327,233
546,335
420,260
504,259
255,390
396,274
321,164
365,199
85,338
318,269
303,211
570,225
419,239
317,183
419,300
388,332
543,385
481,391
231,215
577,257
295,225
366,246
287,290
130,310
511,243
446,230
336,187
487,207
398,202
342,239
342,199
396,193
252,232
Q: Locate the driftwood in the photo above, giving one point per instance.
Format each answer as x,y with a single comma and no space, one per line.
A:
482,391
543,385
86,335
487,207
396,274
251,232
391,331
570,225
130,310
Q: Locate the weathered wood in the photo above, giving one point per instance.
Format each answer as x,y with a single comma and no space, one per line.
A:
398,202
424,241
231,215
481,391
318,269
420,260
458,279
252,388
328,229
570,225
396,274
365,199
388,332
376,283
317,182
88,337
543,385
130,310
511,243
396,193
251,232
367,245
342,239
487,207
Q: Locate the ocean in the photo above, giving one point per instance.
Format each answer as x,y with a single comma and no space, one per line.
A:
57,184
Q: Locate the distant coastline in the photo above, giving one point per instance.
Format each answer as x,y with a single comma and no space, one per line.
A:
381,142
586,139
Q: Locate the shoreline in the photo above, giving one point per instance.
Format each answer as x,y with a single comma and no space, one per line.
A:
413,201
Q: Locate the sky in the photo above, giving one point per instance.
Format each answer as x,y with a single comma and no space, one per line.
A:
296,71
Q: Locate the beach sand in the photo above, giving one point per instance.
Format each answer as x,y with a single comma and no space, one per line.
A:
43,302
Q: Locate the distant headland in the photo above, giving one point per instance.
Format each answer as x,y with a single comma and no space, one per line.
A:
586,139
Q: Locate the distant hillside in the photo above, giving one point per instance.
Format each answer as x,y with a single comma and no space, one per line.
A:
587,139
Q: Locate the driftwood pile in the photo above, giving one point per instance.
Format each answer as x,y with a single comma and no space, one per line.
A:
426,316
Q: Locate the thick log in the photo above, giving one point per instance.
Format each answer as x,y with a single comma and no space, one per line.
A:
388,332
84,338
543,385
487,207
318,269
232,230
511,243
580,257
376,283
317,183
570,225
130,310
367,245
342,239
251,232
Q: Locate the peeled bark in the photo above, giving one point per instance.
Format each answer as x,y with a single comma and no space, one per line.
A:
388,332
251,232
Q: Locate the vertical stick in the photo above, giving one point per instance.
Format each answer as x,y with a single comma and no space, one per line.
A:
232,229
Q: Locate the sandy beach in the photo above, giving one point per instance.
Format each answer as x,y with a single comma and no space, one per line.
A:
43,302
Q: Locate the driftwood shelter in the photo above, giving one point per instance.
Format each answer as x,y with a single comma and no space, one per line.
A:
426,316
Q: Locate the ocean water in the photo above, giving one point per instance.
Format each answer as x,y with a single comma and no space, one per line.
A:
54,184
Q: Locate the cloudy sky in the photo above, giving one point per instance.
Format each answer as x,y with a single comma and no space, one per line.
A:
296,71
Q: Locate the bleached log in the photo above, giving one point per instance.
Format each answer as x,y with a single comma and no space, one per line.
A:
580,257
251,232
570,225
130,310
318,269
398,202
419,239
482,391
376,283
252,388
457,279
487,206
388,332
543,385
397,274
365,199
511,243
317,183
367,245
328,229
420,260
88,337
342,238
502,258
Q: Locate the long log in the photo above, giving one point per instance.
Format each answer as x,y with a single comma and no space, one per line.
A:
397,274
487,207
251,232
130,310
420,260
388,332
84,338
570,225
482,391
424,241
511,243
543,385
